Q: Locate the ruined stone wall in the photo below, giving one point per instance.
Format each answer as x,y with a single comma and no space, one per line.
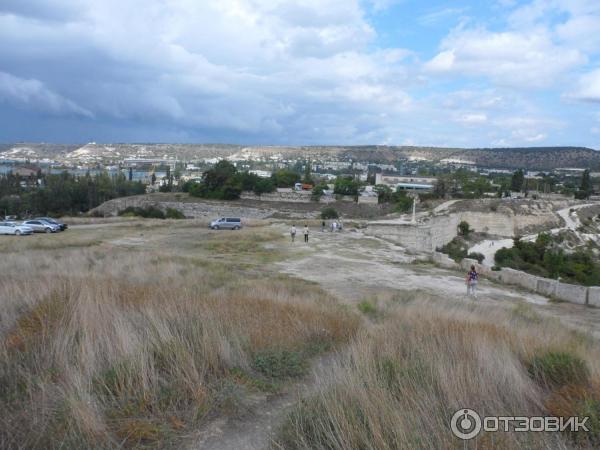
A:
412,238
209,210
581,295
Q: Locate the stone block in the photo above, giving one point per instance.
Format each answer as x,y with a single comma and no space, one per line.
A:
572,293
594,296
518,278
546,287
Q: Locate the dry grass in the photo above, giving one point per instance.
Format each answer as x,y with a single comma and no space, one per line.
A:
107,347
399,383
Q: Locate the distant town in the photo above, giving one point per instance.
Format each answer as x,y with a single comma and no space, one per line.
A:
367,174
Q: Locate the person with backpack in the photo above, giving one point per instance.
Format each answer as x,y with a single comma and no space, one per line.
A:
305,233
472,278
293,232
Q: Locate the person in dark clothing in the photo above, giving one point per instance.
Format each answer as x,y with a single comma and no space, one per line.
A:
472,278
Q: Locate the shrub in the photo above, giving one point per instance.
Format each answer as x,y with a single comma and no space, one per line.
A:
555,368
276,363
173,213
150,212
402,202
464,228
456,249
368,308
478,256
329,213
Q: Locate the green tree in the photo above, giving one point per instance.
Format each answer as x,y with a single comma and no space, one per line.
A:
464,228
263,186
318,191
308,179
441,188
215,178
384,193
585,188
345,185
517,181
402,202
285,178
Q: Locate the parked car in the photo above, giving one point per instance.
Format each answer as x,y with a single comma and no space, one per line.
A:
41,226
63,226
226,223
14,228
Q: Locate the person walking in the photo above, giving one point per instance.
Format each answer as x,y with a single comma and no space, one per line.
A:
322,226
293,232
305,233
472,278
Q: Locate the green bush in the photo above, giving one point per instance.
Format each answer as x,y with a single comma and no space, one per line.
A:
329,213
173,213
367,308
457,249
402,202
544,258
464,228
478,256
554,369
150,212
276,363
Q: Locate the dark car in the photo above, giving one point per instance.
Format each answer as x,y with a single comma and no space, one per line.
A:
63,226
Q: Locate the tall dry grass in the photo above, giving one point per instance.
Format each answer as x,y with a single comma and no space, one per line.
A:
399,383
110,348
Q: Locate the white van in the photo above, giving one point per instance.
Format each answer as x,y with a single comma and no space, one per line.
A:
226,223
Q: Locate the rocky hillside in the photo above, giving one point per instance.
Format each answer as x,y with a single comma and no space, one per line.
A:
542,158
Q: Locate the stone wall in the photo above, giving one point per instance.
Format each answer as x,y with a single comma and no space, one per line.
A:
195,210
436,231
571,293
443,260
412,238
594,296
581,295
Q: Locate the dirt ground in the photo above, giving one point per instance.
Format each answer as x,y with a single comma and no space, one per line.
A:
355,267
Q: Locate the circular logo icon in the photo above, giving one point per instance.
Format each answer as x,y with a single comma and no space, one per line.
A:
465,424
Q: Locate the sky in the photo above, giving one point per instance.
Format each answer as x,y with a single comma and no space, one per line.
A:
497,73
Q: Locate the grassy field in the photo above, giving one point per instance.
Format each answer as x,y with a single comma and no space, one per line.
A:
132,335
399,382
136,333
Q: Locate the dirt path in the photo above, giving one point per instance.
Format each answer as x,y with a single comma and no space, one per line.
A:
354,267
254,430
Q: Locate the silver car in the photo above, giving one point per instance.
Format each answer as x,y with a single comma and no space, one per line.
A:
41,226
14,228
226,223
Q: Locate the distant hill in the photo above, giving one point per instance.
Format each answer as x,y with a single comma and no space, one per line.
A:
540,158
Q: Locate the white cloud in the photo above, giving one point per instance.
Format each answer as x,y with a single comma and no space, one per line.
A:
588,87
522,59
471,118
35,96
435,17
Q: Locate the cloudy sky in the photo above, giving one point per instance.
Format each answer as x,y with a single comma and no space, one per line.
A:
493,73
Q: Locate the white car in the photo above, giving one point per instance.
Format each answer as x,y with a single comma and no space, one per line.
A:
41,226
14,228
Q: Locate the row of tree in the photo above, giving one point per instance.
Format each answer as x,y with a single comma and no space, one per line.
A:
61,194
